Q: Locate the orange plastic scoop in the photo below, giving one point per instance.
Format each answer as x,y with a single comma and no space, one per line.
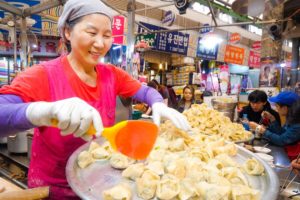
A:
133,138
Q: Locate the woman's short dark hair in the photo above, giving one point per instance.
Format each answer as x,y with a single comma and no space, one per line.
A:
257,96
293,113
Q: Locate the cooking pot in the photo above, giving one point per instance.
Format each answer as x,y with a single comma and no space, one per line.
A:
18,143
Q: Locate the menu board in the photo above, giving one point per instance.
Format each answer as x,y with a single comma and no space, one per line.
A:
173,42
254,59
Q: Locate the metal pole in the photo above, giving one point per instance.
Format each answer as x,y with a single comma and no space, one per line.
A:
15,45
130,36
212,12
24,44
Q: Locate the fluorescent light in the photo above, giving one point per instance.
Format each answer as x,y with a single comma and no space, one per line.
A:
116,47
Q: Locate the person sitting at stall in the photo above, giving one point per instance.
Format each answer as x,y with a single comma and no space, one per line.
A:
258,102
188,98
163,90
288,136
77,91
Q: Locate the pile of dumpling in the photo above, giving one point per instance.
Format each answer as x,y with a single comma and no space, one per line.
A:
182,167
210,121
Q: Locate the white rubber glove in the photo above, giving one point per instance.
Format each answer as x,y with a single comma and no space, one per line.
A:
161,110
74,116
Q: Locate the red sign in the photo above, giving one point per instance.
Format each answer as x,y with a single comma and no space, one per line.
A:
4,43
235,38
118,29
256,45
234,55
254,59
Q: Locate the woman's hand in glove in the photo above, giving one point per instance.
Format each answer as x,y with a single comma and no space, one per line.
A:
161,110
74,116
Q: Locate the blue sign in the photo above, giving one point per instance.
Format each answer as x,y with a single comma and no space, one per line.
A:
205,29
169,18
207,53
173,42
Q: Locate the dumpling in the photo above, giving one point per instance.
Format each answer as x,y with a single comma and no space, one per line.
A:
229,149
93,145
212,191
235,176
100,153
156,155
147,184
119,161
156,166
84,159
168,187
215,163
134,171
187,189
177,168
253,167
177,145
161,143
118,192
241,192
226,160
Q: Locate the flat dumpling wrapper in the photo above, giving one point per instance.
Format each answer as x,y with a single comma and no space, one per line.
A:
134,171
84,159
168,187
253,167
118,192
241,192
147,184
209,191
120,161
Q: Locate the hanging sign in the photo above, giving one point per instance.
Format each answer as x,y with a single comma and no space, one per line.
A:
234,54
182,5
205,29
173,42
207,53
169,18
118,29
256,45
235,38
254,59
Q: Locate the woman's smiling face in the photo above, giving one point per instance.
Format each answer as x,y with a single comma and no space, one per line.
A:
90,39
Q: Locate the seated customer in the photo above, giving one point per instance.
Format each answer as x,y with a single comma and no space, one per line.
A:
188,98
287,105
258,102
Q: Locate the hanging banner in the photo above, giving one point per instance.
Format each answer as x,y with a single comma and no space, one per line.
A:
254,59
118,29
234,55
172,42
207,53
269,74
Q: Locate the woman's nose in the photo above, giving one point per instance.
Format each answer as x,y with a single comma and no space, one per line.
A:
99,42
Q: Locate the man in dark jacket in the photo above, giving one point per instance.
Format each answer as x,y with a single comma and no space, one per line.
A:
258,102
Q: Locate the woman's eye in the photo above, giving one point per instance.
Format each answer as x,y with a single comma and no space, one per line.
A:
92,33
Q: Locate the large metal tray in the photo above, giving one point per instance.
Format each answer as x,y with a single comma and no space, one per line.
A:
89,183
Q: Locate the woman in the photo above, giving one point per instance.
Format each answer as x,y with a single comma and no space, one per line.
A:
187,100
287,105
77,91
258,102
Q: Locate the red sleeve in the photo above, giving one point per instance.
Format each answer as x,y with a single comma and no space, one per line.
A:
126,85
30,85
